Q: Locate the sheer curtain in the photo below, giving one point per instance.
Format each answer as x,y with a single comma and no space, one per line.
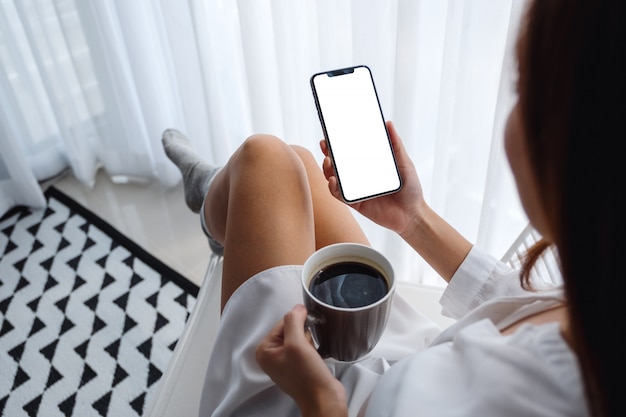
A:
90,85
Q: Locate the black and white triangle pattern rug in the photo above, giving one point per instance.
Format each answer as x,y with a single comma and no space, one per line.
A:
88,320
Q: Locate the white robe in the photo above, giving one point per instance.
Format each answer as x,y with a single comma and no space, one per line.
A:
469,369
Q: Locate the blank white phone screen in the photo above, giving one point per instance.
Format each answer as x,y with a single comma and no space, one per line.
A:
355,130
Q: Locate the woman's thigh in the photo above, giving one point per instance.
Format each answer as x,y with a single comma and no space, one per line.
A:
334,220
268,210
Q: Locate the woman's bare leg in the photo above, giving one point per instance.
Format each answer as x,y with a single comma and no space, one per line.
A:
271,206
259,206
334,221
268,206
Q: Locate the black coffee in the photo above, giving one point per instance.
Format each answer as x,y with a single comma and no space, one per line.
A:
348,285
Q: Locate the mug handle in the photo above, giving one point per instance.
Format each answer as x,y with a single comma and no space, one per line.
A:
313,318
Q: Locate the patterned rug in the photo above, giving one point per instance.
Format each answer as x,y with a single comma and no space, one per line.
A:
88,319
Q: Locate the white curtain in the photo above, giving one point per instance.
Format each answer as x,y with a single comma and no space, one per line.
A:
92,84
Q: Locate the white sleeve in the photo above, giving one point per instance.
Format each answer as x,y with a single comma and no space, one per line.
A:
480,278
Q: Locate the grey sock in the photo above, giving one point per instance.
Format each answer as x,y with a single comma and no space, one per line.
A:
197,173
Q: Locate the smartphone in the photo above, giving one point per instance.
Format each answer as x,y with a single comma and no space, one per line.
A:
355,132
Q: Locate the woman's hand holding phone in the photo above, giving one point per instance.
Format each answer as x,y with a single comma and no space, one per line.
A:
393,211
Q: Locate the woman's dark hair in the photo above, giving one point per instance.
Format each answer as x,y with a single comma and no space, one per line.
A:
572,98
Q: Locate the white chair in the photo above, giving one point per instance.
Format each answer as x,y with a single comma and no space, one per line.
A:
179,390
546,269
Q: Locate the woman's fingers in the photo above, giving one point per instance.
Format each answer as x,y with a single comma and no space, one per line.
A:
324,147
294,330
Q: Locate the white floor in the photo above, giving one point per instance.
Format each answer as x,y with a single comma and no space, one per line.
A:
152,216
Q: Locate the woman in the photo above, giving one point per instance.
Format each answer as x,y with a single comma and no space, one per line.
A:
515,350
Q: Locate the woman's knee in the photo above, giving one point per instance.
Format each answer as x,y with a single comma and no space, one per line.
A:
312,166
266,156
305,154
262,148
